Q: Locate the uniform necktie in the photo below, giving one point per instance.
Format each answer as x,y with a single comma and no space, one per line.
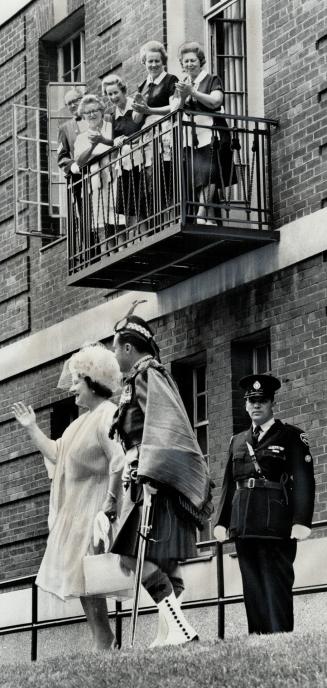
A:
255,434
149,90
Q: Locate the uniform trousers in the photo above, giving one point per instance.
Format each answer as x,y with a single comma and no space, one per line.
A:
268,576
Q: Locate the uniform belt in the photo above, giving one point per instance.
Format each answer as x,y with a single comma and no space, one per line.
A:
254,482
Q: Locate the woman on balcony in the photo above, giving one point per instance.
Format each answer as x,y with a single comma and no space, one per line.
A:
125,123
96,141
210,169
85,467
151,102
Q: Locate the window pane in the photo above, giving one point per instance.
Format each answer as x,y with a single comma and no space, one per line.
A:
201,379
228,54
77,74
202,437
77,51
67,59
262,363
201,408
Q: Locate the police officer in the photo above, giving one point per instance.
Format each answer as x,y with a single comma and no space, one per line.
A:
267,504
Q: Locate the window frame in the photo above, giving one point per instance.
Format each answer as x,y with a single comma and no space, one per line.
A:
202,423
192,364
81,64
209,15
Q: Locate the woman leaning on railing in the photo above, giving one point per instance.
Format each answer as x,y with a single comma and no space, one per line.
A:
209,169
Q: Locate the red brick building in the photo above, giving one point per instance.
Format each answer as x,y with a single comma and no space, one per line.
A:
259,305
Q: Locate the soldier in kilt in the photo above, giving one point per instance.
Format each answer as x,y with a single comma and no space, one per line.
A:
161,450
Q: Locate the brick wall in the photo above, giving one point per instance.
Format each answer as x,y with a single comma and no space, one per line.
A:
114,32
291,303
295,53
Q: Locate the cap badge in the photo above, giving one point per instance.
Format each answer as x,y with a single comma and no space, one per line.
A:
256,385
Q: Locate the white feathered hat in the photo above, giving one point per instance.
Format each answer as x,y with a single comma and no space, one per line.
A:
94,361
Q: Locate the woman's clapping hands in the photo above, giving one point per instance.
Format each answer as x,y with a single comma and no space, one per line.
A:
184,89
139,104
95,136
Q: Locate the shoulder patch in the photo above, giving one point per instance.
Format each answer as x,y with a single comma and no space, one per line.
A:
304,438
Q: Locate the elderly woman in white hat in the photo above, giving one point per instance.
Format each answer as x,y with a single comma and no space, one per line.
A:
85,467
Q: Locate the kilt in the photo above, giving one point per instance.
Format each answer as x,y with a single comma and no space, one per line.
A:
172,537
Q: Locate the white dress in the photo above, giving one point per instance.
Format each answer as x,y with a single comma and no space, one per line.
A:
85,457
102,181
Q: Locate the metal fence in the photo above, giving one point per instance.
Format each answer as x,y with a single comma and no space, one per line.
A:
186,168
220,601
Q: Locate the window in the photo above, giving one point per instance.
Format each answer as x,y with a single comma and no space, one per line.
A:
261,358
62,414
57,114
30,171
71,71
39,185
190,375
249,355
71,59
200,408
227,51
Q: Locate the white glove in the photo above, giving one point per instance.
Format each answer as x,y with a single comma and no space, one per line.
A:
74,168
300,532
220,533
101,527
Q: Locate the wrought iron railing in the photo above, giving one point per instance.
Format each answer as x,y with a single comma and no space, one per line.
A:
220,601
186,168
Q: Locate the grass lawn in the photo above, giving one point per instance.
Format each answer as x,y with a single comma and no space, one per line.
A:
263,662
298,659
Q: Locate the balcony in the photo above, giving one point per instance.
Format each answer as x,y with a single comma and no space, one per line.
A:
139,219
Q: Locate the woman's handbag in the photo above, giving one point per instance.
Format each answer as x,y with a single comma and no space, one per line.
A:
103,574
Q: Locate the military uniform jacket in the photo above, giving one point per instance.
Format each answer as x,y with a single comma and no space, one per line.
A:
283,456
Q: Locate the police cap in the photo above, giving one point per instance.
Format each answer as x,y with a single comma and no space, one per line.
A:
263,386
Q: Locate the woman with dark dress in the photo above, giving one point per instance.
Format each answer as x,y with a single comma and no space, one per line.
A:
125,123
211,168
151,102
154,92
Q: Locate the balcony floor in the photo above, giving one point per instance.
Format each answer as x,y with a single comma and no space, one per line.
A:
170,256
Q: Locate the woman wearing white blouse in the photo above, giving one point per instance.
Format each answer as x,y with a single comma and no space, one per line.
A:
203,92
